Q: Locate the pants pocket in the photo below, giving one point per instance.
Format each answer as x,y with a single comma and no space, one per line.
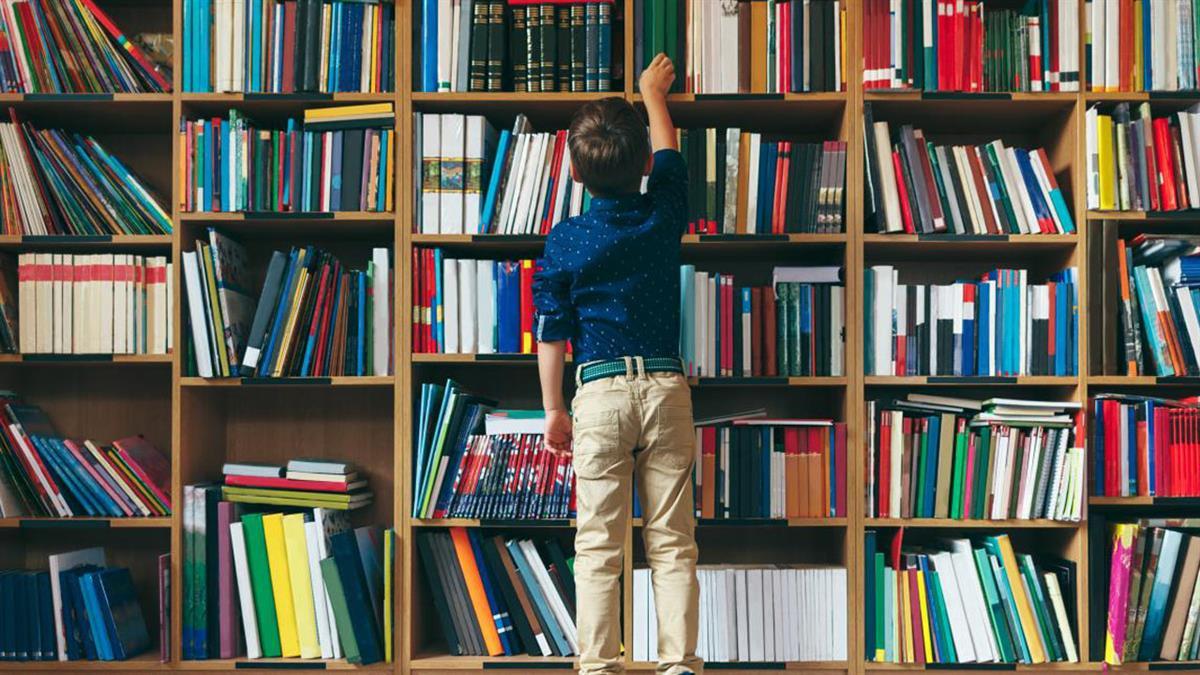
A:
596,443
675,436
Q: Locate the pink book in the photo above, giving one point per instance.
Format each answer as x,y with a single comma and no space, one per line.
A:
88,462
1118,592
148,462
227,604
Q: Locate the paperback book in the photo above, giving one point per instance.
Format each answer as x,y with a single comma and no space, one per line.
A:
1144,446
1141,45
1138,162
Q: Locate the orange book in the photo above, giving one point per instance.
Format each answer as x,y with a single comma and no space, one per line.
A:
1131,366
803,482
483,611
758,47
708,472
743,186
814,485
791,464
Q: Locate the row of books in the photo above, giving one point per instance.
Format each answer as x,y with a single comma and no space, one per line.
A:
916,186
78,609
1159,317
54,181
786,46
466,306
755,467
493,45
335,159
972,46
306,483
793,327
72,46
755,614
1141,45
42,473
1000,325
967,601
739,183
499,595
1152,603
288,46
314,316
1145,446
296,584
1142,163
102,303
1000,459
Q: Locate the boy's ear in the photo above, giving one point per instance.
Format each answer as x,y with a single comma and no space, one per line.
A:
649,165
575,173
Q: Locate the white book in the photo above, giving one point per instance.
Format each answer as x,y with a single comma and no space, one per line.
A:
446,32
766,602
896,441
960,630
966,577
530,200
60,563
652,620
743,616
516,171
450,298
467,287
105,345
312,533
641,617
56,303
477,131
26,297
754,609
557,608
241,571
752,184
485,299
120,303
1060,616
196,310
881,317
169,293
563,188
381,334
887,177
727,606
452,173
431,148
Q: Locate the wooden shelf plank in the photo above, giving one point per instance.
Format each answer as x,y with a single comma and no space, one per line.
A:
963,667
85,523
512,663
336,381
240,216
87,359
21,242
1141,381
1186,216
1020,380
951,523
227,665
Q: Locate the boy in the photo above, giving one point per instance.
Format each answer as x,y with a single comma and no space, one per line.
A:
610,284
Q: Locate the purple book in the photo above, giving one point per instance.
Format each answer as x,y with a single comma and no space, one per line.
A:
227,603
164,607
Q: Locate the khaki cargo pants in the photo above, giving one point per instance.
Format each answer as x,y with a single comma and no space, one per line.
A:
635,424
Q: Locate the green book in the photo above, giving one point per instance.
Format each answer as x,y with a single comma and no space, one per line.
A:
881,614
957,509
921,447
260,584
795,320
937,604
671,36
982,461
1041,608
1005,200
782,335
996,614
341,613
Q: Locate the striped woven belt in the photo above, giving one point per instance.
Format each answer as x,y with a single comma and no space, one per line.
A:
597,370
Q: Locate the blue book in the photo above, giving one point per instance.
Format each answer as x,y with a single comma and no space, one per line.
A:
504,625
493,189
254,67
370,553
508,316
203,46
968,335
540,604
91,603
345,552
335,171
439,326
1098,442
290,278
985,298
123,620
186,75
429,42
45,616
1160,592
332,78
106,505
1162,363
385,139
1065,344
1131,433
210,156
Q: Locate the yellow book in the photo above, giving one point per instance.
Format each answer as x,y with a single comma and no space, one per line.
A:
1105,163
1138,84
389,560
924,607
906,642
296,542
214,302
1003,546
293,311
348,111
281,584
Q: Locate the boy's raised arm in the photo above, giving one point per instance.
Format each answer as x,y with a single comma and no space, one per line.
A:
654,83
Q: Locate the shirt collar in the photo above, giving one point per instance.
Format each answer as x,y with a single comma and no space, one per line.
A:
626,202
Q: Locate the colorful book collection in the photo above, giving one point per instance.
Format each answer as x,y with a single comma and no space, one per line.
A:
288,46
474,182
793,327
943,45
1142,163
1152,600
739,183
103,303
465,306
967,601
1000,325
44,474
1145,446
335,159
757,467
79,609
1158,325
54,181
919,187
309,483
498,595
314,317
755,614
1141,45
516,45
745,47
1000,459
297,584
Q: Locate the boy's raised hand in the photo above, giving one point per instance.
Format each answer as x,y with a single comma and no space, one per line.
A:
656,79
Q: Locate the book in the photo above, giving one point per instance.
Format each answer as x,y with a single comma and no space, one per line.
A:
1141,446
1140,46
1140,162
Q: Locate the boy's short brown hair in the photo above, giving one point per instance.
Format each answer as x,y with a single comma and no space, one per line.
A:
609,146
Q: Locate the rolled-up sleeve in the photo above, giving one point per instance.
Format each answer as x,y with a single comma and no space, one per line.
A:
554,317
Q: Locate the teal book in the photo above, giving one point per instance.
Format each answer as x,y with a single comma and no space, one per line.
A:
1008,602
996,614
1160,592
1041,608
341,612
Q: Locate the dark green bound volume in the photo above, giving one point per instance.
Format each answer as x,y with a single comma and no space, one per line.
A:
549,36
592,54
477,67
517,49
497,46
578,48
533,48
562,41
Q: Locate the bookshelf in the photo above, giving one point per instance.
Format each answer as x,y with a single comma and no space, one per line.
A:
368,420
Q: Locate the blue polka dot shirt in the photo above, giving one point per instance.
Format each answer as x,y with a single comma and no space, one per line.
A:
609,279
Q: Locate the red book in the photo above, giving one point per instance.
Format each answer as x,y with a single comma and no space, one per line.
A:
785,46
1125,45
770,367
528,344
560,138
1111,411
784,163
288,85
839,460
418,288
1166,170
915,611
149,464
905,211
935,204
885,465
981,189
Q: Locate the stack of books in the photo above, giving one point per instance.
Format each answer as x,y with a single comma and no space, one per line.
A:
288,46
102,303
304,583
498,595
745,47
1000,325
917,187
474,461
519,45
967,601
1145,446
1142,163
335,159
1159,304
742,183
758,467
972,46
756,614
947,457
314,315
794,327
79,609
1152,598
54,181
303,482
72,46
1141,45
44,474
468,306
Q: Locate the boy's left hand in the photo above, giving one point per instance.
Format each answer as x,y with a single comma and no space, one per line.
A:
656,79
558,431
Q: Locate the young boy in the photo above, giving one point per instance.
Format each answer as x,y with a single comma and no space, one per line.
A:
610,284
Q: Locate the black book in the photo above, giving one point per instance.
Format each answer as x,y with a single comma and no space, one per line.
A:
814,187
478,58
797,157
212,496
300,45
873,201
267,298
798,53
312,48
818,34
352,155
497,47
719,196
562,41
604,69
438,590
821,329
910,186
578,66
591,59
548,34
515,610
518,49
557,556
